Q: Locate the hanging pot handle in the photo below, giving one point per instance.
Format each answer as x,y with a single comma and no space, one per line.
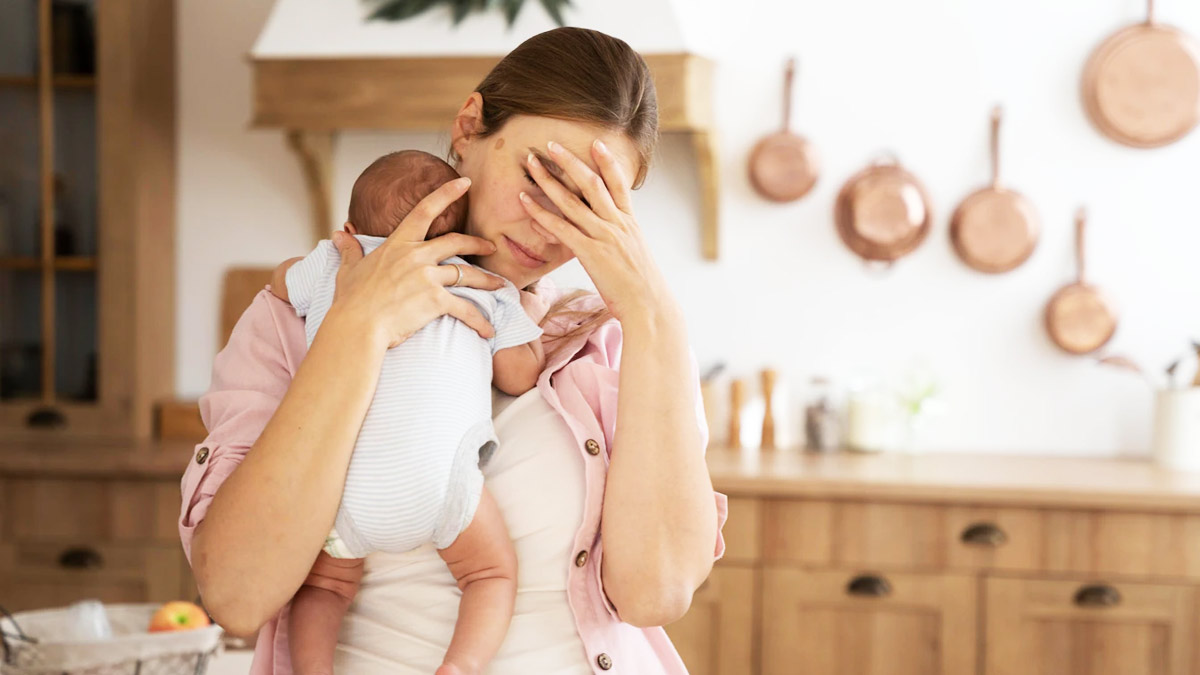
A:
997,114
878,268
789,78
886,158
1080,226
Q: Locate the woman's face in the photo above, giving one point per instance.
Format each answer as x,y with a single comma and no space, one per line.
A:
498,171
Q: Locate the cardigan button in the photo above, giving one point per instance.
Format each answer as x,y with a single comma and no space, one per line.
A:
201,455
604,662
581,559
593,448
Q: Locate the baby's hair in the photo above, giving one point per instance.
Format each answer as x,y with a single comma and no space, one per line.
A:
387,190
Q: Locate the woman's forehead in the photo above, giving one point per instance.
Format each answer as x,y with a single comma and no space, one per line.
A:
523,132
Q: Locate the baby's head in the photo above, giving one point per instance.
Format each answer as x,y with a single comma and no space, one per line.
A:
392,185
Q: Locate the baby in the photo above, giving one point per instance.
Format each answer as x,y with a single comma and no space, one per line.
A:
415,473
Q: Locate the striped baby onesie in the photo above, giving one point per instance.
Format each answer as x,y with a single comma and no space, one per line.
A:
414,476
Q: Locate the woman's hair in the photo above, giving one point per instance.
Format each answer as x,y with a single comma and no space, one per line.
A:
579,75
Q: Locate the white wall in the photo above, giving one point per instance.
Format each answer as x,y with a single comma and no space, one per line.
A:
918,78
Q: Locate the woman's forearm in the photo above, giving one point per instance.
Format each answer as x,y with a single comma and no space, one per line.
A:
659,520
269,519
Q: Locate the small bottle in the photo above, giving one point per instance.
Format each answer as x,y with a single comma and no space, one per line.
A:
821,428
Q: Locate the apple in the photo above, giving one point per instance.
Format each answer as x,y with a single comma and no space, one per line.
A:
178,615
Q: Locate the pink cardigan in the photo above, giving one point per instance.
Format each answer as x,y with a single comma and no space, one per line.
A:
254,370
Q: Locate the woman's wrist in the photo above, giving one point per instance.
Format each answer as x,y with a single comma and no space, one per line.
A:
654,320
352,330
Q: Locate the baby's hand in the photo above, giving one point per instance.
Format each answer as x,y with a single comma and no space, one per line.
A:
279,278
535,305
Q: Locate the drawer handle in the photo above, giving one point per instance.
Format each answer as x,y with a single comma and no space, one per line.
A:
46,418
869,585
984,534
1099,595
81,559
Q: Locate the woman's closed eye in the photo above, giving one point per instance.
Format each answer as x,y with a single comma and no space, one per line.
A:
534,184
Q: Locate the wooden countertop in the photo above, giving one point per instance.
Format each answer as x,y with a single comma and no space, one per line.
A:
81,459
935,478
959,478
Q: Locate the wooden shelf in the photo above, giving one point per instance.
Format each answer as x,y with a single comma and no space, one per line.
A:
60,81
61,263
313,99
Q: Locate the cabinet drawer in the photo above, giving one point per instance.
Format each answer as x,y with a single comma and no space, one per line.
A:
35,575
1048,627
842,622
971,538
66,509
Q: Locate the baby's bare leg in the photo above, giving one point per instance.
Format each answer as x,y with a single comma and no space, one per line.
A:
317,611
483,561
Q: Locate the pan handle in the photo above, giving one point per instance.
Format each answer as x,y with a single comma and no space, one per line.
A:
1080,226
789,78
997,114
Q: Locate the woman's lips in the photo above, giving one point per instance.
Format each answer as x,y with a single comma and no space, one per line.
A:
523,255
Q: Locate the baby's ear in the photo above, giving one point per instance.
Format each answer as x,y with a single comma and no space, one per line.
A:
349,227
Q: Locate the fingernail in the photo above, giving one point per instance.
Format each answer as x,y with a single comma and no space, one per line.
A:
525,198
554,147
600,147
533,161
464,182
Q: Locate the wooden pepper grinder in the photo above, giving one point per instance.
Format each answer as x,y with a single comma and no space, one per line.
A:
737,396
768,428
1196,380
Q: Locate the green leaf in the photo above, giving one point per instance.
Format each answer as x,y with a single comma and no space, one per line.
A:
511,9
399,10
554,9
460,11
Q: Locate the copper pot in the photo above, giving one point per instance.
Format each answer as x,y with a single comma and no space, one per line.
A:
1079,318
1141,86
883,212
783,166
995,229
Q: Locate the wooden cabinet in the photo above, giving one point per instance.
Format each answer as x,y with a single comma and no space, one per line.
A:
835,622
951,565
34,576
1088,627
80,523
87,153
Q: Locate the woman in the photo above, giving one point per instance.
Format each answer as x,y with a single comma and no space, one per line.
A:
600,473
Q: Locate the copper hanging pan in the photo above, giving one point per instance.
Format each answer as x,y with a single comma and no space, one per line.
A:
783,166
1141,86
883,212
1079,318
994,229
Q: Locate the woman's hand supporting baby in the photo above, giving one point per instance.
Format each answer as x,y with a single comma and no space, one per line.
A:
249,567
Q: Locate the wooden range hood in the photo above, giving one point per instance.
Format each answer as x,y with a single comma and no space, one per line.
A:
313,99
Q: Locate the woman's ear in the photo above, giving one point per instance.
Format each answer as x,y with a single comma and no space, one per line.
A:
467,123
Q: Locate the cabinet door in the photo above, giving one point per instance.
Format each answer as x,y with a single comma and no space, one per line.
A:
867,623
1063,627
38,575
716,636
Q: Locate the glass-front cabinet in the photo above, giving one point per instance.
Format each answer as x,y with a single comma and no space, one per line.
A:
87,134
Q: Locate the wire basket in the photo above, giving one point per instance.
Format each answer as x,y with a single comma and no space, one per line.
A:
30,646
